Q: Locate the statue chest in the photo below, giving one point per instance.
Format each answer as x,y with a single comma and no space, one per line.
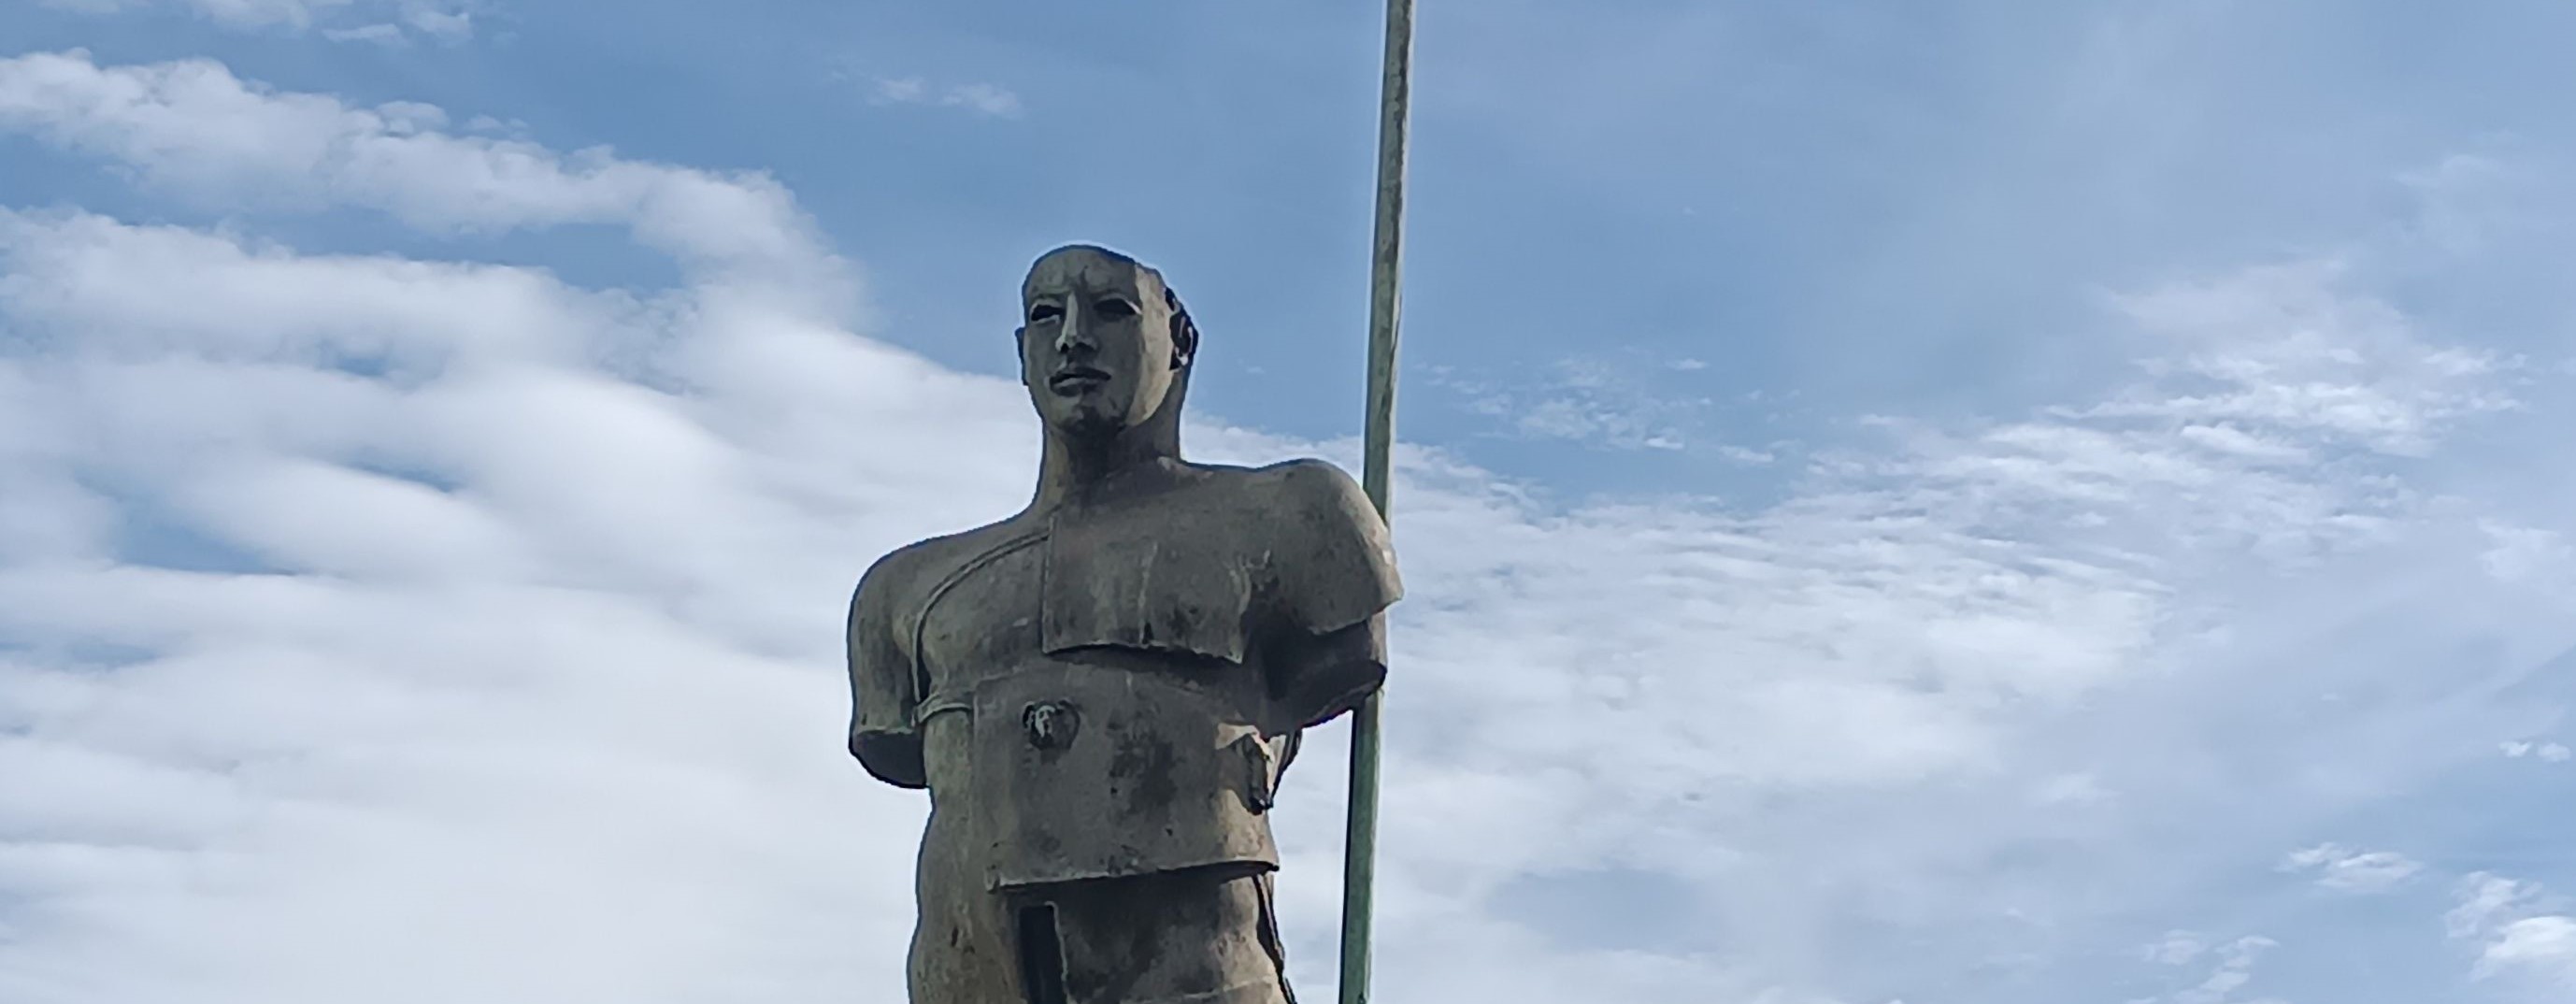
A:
1179,588
1089,690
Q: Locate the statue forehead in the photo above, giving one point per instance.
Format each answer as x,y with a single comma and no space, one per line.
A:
1088,268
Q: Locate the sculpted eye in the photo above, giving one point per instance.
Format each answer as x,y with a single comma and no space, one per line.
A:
1114,309
1045,312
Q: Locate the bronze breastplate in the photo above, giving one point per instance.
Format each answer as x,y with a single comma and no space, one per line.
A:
1086,772
1102,760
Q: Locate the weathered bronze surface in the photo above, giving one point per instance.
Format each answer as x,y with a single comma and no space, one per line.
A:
1101,692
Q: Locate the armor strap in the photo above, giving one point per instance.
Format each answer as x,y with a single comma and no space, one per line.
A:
926,707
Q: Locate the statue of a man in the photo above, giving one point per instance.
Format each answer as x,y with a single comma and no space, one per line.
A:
1101,691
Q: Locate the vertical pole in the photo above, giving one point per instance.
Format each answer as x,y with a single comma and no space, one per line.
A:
1359,854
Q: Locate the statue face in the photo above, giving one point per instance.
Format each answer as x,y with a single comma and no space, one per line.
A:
1096,346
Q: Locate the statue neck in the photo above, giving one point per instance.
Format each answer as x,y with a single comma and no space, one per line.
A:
1085,468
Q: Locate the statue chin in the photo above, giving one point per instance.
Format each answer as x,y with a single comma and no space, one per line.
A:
1087,425
1085,420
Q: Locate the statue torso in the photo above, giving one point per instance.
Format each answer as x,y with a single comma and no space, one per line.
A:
1091,682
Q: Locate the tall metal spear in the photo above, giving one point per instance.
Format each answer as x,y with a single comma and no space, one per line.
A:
1359,854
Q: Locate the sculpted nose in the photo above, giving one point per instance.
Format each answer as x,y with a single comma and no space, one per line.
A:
1069,333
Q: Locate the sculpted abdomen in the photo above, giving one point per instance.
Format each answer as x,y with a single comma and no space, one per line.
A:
1087,771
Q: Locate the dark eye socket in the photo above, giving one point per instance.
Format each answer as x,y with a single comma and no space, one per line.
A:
1114,309
1045,312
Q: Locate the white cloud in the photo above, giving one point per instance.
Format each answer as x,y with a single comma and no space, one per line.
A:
2485,901
983,99
2524,938
2175,948
2232,971
2547,752
380,34
2523,554
2345,870
444,20
1595,401
2283,348
2470,203
191,128
2235,969
2542,948
508,660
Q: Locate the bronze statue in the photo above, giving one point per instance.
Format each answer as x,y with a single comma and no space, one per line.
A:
1101,692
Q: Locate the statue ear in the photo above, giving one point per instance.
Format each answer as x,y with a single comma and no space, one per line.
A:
1185,333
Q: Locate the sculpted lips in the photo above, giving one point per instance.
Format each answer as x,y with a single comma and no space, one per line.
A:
1074,379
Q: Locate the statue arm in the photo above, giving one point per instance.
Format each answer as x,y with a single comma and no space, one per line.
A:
1315,678
882,688
1334,575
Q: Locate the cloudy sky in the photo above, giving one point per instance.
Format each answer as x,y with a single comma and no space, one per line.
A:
1971,503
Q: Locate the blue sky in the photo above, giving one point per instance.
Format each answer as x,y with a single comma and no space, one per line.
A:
1988,502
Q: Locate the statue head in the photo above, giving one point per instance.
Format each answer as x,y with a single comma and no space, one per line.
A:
1104,346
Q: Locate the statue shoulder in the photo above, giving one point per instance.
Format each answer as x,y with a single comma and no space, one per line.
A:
885,685
1314,482
888,577
896,579
1316,496
1332,557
